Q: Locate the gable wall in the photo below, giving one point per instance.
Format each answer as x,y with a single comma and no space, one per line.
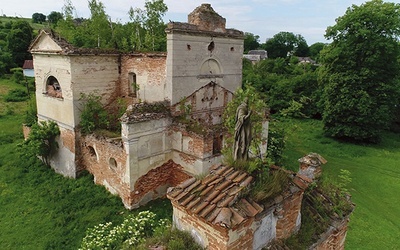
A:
189,63
58,109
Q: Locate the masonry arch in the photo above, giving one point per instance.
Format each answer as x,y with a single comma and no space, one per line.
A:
112,163
93,154
53,87
210,67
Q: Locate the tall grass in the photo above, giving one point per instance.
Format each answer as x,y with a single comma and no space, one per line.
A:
375,173
40,209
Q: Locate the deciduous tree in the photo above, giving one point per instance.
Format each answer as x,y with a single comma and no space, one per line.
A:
283,44
251,42
360,71
38,18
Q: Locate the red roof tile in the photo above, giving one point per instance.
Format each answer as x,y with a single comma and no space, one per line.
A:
216,198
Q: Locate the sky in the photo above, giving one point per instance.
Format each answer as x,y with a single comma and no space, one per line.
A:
264,18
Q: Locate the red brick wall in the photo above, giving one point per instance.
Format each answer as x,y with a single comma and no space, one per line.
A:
286,224
334,238
149,66
98,164
169,174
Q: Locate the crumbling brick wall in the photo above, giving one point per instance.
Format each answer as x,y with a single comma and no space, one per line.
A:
150,76
106,160
154,184
334,238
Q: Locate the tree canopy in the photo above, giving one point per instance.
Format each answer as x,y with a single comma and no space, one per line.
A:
251,42
38,18
145,31
283,44
360,71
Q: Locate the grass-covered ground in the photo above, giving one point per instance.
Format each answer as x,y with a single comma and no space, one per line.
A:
43,210
375,186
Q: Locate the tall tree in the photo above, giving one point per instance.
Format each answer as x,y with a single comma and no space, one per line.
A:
283,44
18,40
360,71
315,49
54,16
251,42
38,18
155,27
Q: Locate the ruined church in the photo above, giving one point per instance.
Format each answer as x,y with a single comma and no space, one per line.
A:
170,132
199,73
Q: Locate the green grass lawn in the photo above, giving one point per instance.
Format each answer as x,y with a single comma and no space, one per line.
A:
43,210
375,186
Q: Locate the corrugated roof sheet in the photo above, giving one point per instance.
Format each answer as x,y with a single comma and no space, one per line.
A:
216,198
28,64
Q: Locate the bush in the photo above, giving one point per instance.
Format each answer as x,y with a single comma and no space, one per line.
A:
132,231
42,140
276,142
16,95
31,112
94,115
18,75
172,239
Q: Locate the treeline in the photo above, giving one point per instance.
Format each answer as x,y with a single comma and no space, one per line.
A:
144,32
282,45
354,88
15,38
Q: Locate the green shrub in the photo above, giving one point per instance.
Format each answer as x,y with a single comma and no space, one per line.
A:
42,140
16,95
172,239
94,115
18,75
131,232
276,142
31,112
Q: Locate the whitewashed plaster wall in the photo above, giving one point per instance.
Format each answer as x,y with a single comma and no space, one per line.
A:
148,146
96,74
191,65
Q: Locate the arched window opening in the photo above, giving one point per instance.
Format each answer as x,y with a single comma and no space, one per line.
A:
53,87
92,152
133,87
112,163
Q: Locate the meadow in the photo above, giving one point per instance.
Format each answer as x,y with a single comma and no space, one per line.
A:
40,209
375,173
43,210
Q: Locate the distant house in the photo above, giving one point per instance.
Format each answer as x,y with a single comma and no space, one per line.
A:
256,55
28,68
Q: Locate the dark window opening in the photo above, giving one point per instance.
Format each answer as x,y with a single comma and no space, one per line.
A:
92,152
112,163
232,49
188,47
217,143
53,87
211,46
133,87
